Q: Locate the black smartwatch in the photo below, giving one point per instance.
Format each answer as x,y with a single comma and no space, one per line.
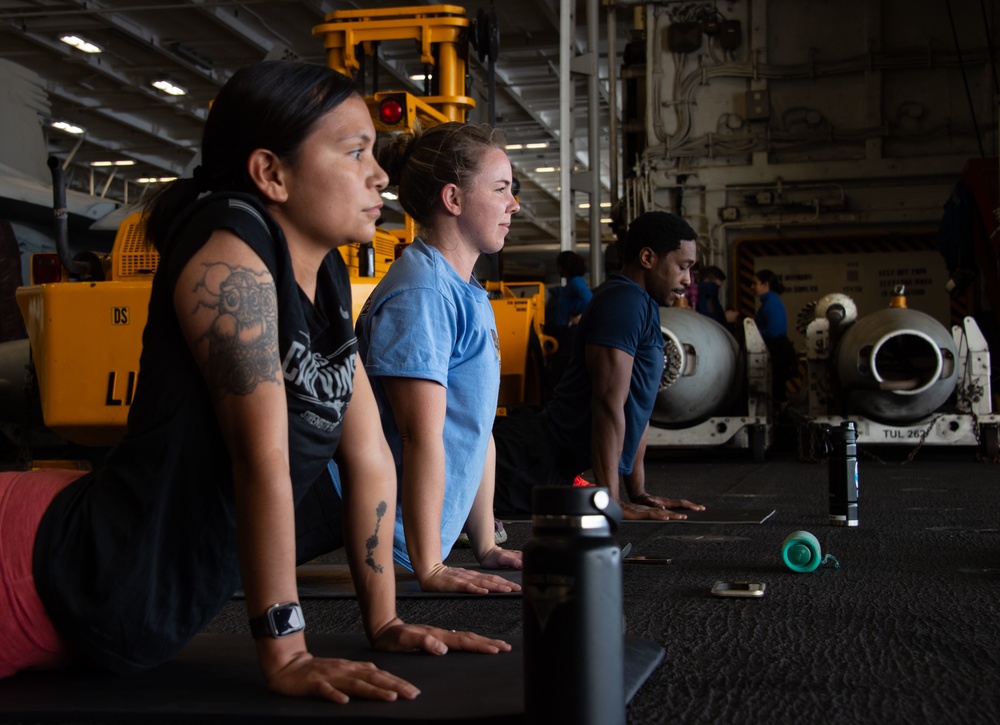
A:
280,620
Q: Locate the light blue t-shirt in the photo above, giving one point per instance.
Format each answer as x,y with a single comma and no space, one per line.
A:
424,321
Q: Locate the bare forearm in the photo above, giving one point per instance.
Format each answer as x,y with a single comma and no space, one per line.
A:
607,437
369,513
480,525
635,482
266,540
423,499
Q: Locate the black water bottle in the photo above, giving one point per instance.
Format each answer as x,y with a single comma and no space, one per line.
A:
574,643
844,475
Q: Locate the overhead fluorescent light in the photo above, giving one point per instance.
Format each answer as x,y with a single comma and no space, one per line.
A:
545,169
541,145
418,77
169,88
390,195
80,44
606,220
121,162
153,179
67,127
513,147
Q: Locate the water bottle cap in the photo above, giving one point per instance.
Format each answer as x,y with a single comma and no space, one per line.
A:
572,502
799,555
801,551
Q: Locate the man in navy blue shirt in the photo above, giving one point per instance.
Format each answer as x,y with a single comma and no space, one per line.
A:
598,417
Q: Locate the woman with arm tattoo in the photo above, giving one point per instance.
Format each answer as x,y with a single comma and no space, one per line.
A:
248,384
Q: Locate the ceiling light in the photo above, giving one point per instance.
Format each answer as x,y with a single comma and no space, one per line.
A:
390,195
121,162
606,220
169,88
418,77
545,169
67,127
541,145
513,147
153,179
79,43
606,204
584,205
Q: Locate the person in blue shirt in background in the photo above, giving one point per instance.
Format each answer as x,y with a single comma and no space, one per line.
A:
708,294
570,300
772,323
576,294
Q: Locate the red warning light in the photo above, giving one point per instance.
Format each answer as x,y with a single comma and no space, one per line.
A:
45,268
390,111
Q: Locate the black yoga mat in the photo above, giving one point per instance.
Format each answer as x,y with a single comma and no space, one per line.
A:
215,679
333,581
708,516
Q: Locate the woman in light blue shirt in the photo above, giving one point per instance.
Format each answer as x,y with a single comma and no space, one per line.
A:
428,340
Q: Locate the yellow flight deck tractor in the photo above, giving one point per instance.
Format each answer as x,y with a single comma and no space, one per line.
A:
85,315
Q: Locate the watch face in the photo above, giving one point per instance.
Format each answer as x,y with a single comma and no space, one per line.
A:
286,620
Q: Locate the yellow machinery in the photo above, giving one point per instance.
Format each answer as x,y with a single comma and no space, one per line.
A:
86,336
441,33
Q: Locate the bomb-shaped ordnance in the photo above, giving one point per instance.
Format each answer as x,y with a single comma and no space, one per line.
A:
896,365
701,374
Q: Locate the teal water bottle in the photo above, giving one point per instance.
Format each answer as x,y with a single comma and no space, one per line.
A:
801,552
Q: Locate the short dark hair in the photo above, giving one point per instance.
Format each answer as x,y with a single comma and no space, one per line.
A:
571,263
773,281
659,230
713,272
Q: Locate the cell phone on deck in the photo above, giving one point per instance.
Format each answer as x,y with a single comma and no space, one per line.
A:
738,589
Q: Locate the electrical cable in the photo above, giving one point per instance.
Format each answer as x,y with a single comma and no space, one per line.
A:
965,80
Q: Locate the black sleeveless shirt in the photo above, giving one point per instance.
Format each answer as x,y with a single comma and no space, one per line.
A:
133,559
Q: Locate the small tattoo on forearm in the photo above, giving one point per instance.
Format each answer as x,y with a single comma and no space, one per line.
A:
372,542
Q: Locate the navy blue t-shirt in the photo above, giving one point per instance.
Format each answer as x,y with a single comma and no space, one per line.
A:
621,315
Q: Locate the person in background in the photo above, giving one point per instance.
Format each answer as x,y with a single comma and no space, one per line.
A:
429,343
709,285
248,383
599,415
575,295
772,323
570,301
